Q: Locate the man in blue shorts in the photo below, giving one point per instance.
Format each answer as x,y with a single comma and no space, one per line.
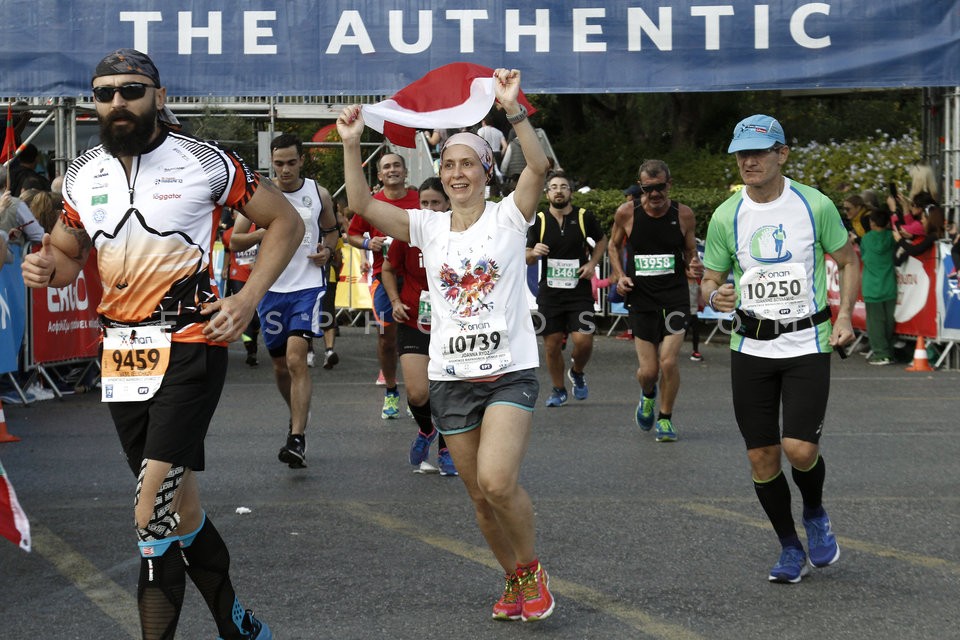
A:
773,235
290,312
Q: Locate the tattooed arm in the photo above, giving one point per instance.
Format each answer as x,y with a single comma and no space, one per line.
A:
60,259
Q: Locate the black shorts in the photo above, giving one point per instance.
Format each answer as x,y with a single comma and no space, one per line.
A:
171,426
328,313
411,340
761,385
458,405
653,326
549,320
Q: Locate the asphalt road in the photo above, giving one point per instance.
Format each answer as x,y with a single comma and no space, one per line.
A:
643,540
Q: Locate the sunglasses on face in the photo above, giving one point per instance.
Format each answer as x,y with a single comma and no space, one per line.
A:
650,188
129,91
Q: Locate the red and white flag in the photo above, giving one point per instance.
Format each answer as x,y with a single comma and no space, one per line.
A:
455,95
13,521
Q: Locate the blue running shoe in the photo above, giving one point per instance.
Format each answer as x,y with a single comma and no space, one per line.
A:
791,566
665,431
823,546
445,462
645,408
253,628
579,384
420,448
558,398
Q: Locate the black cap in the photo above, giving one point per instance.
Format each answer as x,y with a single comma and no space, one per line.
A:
633,190
127,61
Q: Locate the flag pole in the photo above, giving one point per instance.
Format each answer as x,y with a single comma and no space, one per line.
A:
30,138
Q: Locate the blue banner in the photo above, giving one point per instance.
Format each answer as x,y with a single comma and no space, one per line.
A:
375,47
13,311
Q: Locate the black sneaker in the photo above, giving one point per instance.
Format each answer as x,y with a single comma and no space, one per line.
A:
294,453
252,359
330,359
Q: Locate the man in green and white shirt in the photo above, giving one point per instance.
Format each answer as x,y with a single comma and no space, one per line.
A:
773,235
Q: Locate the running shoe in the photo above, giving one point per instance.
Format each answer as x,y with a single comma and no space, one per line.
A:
253,628
579,384
391,406
665,431
311,359
445,461
696,356
426,468
880,361
252,360
420,448
381,381
509,606
294,453
645,408
330,359
791,567
823,546
535,594
558,398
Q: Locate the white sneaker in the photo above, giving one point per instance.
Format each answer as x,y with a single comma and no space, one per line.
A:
425,467
311,359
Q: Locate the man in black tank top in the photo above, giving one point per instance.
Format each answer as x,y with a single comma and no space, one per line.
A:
652,254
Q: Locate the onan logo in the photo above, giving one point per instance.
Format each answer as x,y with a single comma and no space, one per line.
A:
767,245
763,275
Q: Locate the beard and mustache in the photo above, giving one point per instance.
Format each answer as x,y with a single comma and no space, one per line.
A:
124,141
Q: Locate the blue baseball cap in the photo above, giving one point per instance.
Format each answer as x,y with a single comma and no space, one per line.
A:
756,132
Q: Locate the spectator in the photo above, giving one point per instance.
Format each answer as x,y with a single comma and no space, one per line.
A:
858,217
16,219
512,164
45,206
24,174
879,286
930,215
632,193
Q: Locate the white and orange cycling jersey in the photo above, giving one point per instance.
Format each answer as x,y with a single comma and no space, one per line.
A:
154,232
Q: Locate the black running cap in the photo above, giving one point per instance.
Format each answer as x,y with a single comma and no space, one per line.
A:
127,61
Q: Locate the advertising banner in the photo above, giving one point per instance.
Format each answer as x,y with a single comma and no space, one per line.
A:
64,323
13,312
374,47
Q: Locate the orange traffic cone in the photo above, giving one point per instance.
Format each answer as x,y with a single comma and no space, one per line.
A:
920,362
4,435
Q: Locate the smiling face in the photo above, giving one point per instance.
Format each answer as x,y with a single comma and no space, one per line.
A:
392,172
463,177
127,126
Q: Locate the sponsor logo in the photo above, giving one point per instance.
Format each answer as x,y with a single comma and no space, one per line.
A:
99,215
307,201
109,391
168,181
143,390
167,196
767,245
100,199
173,169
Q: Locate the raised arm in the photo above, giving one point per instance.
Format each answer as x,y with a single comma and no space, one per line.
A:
506,86
390,219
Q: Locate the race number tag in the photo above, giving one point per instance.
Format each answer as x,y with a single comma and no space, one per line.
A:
777,292
247,256
134,362
424,309
481,349
562,274
307,216
663,264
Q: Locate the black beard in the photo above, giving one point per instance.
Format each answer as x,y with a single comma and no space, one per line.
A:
560,204
130,143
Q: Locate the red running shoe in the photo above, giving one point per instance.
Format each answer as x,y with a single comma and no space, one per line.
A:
535,592
509,607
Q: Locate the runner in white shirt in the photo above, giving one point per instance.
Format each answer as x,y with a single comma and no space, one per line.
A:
483,350
773,235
